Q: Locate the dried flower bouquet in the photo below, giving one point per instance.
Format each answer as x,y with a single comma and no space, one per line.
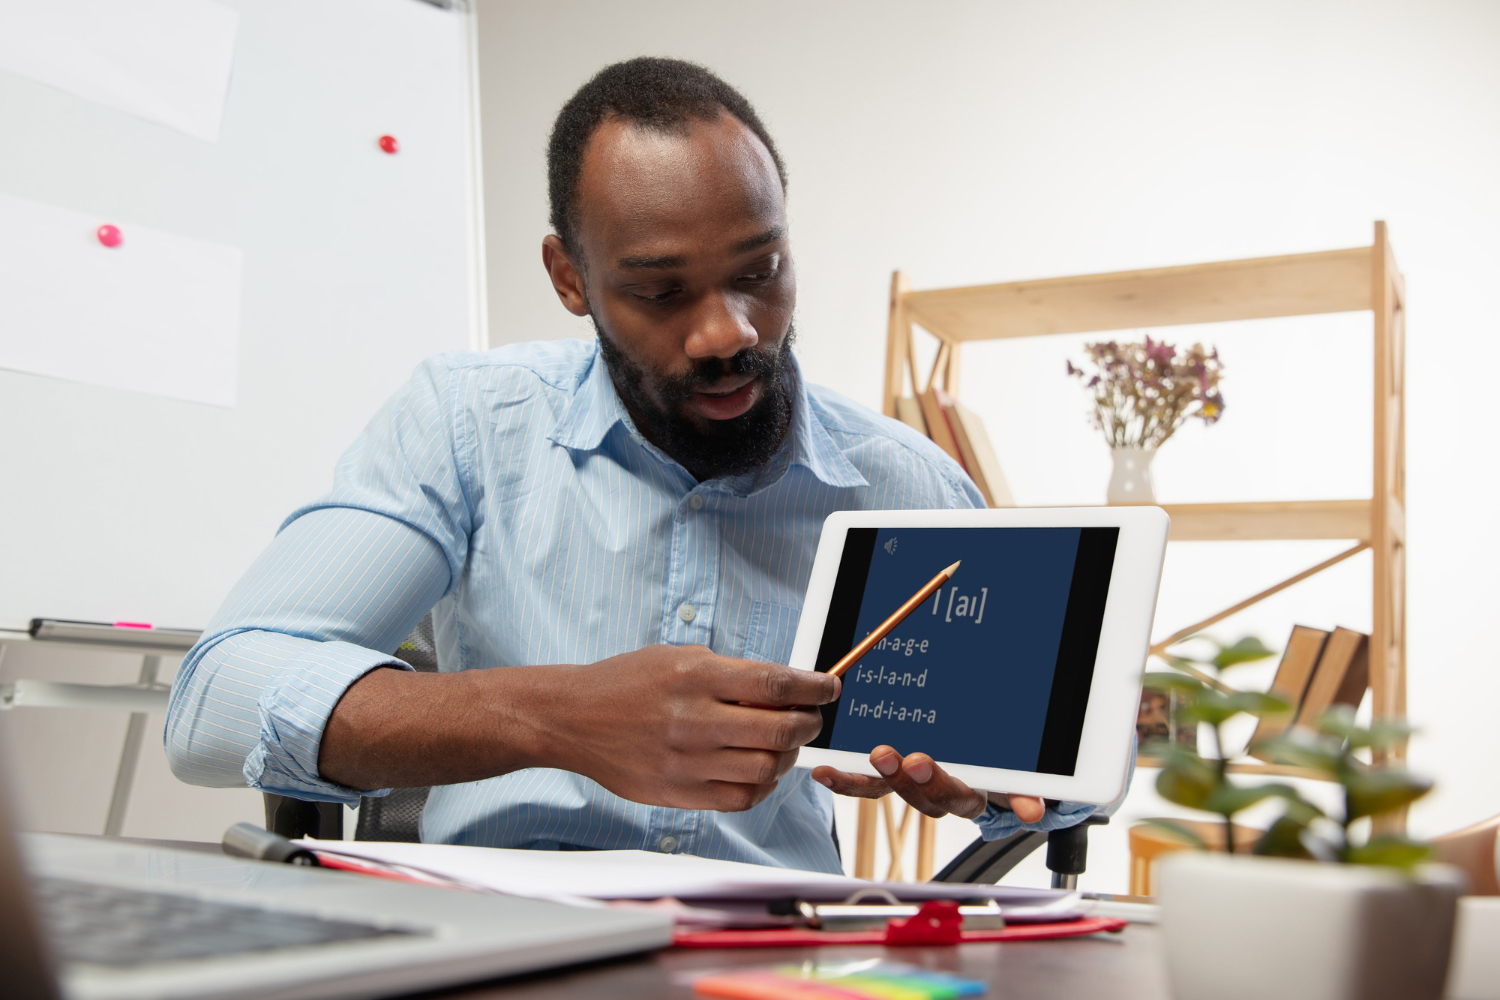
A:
1144,392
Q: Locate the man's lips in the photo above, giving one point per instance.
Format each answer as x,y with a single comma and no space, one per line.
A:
727,400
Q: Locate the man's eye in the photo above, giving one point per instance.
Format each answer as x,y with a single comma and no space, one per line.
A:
661,296
759,277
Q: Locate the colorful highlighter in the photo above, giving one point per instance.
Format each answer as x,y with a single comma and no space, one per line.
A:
870,980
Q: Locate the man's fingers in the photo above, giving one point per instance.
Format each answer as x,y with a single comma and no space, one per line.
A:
1028,808
727,796
773,684
860,786
753,728
749,767
927,787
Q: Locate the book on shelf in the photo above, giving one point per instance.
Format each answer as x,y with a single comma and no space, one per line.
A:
958,430
1303,649
977,452
909,412
1340,678
938,427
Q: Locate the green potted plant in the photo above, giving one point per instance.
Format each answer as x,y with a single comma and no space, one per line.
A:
1320,907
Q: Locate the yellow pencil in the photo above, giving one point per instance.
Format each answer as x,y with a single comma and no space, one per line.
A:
884,628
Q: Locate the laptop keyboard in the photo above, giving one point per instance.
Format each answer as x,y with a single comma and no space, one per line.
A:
109,925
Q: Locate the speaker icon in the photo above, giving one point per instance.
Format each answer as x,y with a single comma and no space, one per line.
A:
890,546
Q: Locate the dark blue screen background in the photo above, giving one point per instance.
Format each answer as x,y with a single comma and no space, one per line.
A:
978,693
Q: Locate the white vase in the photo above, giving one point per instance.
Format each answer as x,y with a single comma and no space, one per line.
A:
1248,928
1130,480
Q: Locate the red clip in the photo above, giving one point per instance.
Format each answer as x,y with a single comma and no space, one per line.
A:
937,922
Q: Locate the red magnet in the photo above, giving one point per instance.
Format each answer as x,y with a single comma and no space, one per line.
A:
389,144
109,236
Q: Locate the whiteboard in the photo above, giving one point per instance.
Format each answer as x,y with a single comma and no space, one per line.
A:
119,505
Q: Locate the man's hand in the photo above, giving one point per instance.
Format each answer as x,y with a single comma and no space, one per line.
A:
682,726
930,790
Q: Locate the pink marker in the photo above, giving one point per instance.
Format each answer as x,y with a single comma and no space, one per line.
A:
122,634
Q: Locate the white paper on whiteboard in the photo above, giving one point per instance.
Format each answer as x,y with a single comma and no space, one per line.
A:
167,61
159,313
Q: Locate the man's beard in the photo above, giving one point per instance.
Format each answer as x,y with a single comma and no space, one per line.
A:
724,447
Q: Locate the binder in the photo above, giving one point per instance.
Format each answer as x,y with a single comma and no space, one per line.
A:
937,923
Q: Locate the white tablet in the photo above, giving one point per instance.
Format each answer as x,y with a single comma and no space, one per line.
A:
1021,673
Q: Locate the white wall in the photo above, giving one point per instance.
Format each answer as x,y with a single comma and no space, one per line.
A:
976,142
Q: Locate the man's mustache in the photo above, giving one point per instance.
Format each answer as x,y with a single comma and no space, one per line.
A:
708,372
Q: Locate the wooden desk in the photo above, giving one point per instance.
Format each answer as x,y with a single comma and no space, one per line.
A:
1125,966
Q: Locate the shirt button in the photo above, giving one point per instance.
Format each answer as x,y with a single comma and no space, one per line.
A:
668,844
696,501
687,612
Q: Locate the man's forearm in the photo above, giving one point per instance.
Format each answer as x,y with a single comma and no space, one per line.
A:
676,726
396,729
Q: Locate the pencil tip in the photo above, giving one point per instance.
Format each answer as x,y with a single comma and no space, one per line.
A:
950,569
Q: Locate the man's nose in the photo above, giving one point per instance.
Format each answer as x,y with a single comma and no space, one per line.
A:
721,329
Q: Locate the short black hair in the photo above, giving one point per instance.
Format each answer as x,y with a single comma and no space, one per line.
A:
665,95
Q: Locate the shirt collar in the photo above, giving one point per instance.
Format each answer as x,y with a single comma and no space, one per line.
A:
596,408
813,446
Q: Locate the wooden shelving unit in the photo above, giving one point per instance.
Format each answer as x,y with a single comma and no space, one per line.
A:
1333,281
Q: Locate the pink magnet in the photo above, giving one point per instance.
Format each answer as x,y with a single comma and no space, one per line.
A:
109,236
389,144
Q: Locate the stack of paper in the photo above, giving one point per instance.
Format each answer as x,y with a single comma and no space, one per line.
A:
610,875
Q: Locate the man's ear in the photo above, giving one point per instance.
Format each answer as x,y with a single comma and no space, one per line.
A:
567,277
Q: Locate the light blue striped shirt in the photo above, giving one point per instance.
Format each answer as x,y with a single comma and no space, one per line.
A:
511,494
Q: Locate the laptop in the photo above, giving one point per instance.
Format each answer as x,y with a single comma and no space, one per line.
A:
87,917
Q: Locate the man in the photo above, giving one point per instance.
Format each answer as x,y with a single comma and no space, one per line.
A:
622,531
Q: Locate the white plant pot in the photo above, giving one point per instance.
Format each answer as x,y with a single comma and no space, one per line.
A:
1248,928
1130,477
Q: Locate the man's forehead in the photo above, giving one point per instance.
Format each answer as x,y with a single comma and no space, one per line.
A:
711,186
670,259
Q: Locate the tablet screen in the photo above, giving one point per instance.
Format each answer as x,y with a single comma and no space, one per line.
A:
993,669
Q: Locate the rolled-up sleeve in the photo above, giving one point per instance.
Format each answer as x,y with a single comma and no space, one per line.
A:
340,586
995,822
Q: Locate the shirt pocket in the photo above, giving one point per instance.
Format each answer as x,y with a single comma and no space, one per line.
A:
773,627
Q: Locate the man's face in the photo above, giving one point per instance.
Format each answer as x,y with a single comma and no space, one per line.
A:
686,273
